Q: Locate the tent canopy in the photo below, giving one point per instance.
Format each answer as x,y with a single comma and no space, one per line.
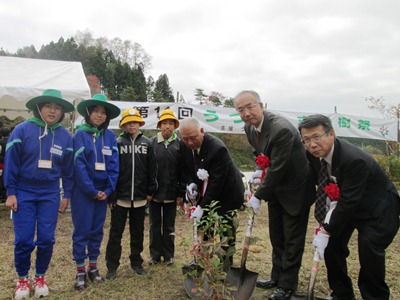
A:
23,78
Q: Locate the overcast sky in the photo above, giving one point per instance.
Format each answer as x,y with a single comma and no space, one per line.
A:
299,55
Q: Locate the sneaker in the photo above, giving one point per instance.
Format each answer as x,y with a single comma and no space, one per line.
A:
111,274
40,286
80,281
94,276
23,289
139,270
168,261
154,262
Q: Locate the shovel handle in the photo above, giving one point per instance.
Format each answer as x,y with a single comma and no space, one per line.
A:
246,243
313,276
195,237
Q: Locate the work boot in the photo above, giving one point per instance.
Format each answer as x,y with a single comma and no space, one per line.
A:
40,286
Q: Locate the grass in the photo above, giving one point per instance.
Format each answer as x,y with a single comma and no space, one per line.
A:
164,282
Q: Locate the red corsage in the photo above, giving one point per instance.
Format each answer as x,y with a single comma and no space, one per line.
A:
263,162
333,191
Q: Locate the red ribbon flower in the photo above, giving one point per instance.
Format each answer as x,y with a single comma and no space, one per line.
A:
333,191
191,209
263,162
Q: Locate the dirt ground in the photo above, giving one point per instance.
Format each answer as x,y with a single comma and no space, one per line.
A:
164,282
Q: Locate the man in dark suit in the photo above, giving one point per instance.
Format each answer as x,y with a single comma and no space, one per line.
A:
368,202
201,150
284,187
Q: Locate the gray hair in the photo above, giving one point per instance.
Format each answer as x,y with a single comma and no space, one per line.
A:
188,122
251,92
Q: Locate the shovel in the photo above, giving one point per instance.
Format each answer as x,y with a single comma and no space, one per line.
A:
241,280
313,276
314,268
193,272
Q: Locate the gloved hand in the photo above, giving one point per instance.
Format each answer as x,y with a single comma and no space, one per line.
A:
255,178
254,203
192,189
320,242
198,213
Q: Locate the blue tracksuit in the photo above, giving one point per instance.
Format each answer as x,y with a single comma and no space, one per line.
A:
37,189
88,213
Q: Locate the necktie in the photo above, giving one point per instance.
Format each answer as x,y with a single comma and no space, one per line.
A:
320,203
196,160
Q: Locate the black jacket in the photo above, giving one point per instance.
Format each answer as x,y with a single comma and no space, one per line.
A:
169,176
363,187
3,145
137,169
225,181
288,177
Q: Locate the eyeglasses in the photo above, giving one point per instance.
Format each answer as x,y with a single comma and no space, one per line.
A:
314,138
249,107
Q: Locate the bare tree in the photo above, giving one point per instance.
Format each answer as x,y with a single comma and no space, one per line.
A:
387,112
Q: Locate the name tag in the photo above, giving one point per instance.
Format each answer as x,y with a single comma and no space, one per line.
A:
107,152
100,166
56,151
45,164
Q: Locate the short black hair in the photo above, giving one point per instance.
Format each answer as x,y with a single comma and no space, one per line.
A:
5,131
89,111
316,120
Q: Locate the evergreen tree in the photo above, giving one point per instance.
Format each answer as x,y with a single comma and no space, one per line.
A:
162,91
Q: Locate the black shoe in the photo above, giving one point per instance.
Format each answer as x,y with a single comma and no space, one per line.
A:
267,283
80,282
94,276
139,270
341,298
111,274
281,294
153,262
168,261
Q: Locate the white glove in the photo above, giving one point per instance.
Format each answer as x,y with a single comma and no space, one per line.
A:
320,242
192,189
255,178
254,203
198,213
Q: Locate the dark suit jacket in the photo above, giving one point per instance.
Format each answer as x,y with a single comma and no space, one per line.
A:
363,185
224,183
288,173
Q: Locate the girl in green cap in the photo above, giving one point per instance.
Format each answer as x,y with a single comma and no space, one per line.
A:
95,174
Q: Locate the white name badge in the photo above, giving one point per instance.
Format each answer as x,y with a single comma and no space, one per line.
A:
44,164
100,166
56,151
107,152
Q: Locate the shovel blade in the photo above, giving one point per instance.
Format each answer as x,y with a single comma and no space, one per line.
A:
242,281
192,272
298,297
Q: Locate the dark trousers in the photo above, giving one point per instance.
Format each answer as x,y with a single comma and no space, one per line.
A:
136,228
374,236
162,224
287,234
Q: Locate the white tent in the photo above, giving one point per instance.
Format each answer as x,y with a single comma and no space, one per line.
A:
22,79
